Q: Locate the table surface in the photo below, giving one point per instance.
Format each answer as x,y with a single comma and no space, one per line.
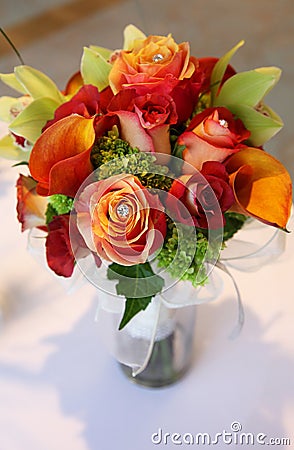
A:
60,389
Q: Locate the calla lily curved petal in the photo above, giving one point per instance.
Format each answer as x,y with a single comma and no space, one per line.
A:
261,185
60,158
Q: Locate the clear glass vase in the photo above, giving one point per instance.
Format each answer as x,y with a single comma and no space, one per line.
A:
172,352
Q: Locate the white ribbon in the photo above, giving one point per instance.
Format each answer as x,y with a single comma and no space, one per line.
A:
252,247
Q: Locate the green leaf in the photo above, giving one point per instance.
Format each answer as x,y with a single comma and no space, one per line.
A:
136,281
131,33
133,306
220,69
248,88
138,284
95,69
50,213
31,120
262,125
234,222
178,150
37,84
10,80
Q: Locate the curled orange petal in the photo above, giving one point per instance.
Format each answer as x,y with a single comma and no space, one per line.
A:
60,158
74,84
262,186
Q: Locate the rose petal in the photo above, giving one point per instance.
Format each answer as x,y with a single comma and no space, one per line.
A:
262,186
60,257
31,207
198,151
161,140
133,132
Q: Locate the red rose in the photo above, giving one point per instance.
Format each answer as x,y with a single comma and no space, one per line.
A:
60,257
86,103
205,195
64,247
156,112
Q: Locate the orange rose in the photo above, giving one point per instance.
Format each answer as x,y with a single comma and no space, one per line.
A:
151,60
212,135
120,220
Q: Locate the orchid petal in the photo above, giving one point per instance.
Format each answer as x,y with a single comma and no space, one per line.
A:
248,88
10,107
31,120
10,80
6,103
104,52
263,125
261,185
95,69
220,69
9,150
132,33
37,84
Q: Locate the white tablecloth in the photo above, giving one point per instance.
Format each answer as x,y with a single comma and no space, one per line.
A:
60,389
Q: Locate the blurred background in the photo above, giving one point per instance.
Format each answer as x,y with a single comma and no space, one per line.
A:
50,36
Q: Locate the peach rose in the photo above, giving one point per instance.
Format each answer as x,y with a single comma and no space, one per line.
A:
153,59
212,135
121,220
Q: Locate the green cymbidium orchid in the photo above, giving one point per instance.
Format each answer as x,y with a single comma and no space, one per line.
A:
243,95
26,116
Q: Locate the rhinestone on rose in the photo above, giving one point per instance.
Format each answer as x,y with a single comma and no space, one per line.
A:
223,123
157,57
123,210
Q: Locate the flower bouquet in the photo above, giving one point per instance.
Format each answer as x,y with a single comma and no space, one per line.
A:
139,172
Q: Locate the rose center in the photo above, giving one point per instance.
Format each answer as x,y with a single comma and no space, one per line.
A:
123,210
223,123
157,57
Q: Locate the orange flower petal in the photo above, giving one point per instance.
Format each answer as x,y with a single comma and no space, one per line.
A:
67,176
74,84
31,207
262,186
69,137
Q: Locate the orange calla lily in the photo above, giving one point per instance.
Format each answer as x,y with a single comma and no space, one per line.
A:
262,186
74,84
60,158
